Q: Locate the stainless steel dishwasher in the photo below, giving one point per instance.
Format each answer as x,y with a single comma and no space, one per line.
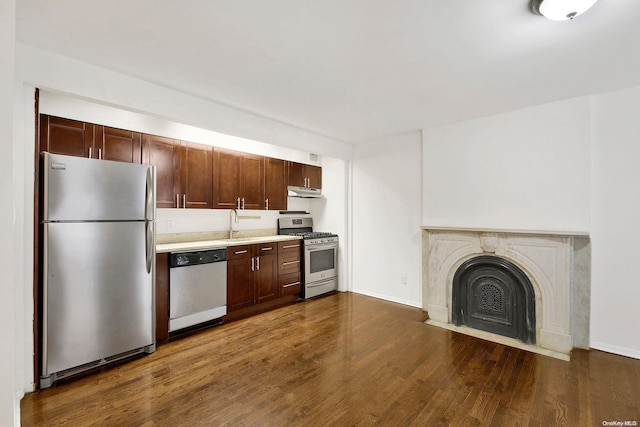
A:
197,287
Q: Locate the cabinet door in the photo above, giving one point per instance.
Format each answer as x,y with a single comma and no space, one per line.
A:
196,171
117,144
65,136
226,178
164,154
296,174
240,287
266,276
162,297
275,184
252,181
313,175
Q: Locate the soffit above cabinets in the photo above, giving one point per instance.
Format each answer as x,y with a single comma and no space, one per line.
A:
350,70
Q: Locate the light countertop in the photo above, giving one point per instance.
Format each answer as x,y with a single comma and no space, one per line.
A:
219,243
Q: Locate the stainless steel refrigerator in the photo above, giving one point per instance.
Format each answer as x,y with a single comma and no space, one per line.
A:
98,263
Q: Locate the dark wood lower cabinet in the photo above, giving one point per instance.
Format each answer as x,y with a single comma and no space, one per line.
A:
240,278
266,274
289,284
289,267
162,297
252,275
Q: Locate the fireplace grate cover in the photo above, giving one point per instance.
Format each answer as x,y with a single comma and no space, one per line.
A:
494,295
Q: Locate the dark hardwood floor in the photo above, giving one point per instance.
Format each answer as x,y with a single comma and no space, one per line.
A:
344,360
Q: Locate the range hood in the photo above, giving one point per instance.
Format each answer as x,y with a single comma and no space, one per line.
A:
304,192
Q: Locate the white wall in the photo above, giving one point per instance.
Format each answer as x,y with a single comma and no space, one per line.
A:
615,234
72,107
9,391
525,169
330,213
56,73
386,249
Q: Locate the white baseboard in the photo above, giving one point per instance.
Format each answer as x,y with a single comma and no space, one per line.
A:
417,304
622,351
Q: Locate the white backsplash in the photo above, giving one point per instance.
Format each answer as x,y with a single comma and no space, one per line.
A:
203,220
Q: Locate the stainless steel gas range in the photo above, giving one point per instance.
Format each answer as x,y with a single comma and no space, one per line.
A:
320,256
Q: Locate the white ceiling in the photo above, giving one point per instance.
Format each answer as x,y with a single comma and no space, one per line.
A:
353,70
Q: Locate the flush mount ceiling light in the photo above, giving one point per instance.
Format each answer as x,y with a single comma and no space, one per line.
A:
561,10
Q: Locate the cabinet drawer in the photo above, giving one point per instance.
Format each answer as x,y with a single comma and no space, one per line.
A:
242,251
265,249
289,246
289,263
289,284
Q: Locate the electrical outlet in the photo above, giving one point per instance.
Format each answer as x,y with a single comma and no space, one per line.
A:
169,225
403,279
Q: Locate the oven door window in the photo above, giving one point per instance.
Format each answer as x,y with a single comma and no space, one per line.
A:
321,260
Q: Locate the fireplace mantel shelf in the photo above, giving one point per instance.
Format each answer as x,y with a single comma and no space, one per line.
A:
506,230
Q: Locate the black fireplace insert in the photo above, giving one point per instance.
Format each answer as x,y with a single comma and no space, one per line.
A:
494,295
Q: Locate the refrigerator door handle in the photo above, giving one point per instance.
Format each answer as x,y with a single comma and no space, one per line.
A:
150,197
149,245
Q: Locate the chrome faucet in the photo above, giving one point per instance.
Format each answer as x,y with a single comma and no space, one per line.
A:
233,217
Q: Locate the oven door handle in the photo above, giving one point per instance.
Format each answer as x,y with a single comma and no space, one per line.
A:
320,247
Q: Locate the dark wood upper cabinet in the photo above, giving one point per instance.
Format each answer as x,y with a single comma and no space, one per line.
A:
76,138
296,174
314,176
196,172
118,144
164,154
226,179
275,184
188,175
238,180
308,176
183,172
65,136
251,181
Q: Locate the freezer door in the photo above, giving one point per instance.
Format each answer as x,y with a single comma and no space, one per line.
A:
80,189
98,295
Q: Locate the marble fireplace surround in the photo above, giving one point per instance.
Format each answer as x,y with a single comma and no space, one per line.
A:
558,264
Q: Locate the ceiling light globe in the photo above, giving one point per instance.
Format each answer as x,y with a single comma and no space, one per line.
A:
562,10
